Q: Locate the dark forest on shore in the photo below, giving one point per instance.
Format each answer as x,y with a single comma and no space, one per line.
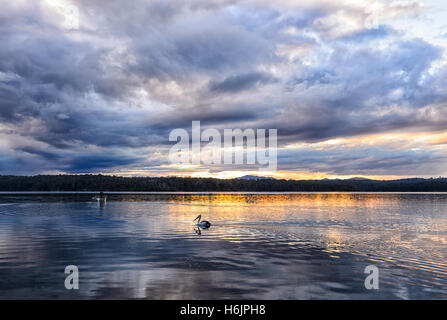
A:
99,182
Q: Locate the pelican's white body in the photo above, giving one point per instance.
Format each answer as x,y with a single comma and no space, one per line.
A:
202,224
100,199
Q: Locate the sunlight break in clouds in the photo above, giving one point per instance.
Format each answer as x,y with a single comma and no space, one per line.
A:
353,87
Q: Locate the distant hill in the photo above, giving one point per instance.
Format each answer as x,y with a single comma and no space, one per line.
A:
250,177
260,184
411,180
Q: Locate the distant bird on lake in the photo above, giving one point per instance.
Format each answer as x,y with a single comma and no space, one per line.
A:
202,224
102,198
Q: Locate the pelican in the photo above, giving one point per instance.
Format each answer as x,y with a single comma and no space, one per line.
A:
204,224
101,197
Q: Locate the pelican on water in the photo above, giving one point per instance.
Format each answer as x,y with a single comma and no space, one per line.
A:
102,198
202,224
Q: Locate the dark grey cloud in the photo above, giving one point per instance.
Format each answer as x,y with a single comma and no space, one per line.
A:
349,95
240,82
34,160
9,100
52,156
88,163
362,160
381,31
189,49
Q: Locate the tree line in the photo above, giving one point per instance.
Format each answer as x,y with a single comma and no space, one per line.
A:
90,182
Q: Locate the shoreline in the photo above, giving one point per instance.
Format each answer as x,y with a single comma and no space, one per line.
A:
211,192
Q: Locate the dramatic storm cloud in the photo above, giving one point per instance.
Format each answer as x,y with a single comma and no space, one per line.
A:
353,87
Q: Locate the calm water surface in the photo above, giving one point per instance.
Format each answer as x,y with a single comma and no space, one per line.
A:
260,246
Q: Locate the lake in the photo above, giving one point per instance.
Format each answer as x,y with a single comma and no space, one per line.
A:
260,246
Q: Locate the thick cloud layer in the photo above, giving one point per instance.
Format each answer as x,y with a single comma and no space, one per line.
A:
93,86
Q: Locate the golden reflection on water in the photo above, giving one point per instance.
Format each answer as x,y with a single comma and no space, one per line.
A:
409,228
333,199
337,207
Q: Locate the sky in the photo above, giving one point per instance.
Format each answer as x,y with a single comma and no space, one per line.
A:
354,88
